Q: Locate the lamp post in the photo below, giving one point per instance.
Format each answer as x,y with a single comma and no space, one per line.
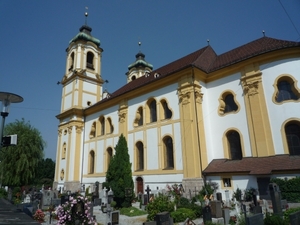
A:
6,98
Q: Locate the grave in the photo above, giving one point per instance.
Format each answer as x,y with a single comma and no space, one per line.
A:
163,218
226,215
115,216
47,197
257,219
206,212
295,218
276,198
216,209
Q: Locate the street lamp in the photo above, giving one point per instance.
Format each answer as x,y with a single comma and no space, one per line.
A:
7,98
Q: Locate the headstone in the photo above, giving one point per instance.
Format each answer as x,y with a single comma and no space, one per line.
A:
27,199
48,195
257,219
145,199
219,196
226,215
257,209
216,209
276,198
227,199
284,204
148,190
97,201
162,218
206,212
150,223
64,198
295,218
115,215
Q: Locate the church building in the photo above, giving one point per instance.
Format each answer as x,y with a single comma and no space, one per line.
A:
232,119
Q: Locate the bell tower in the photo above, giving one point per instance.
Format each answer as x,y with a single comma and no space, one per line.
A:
81,88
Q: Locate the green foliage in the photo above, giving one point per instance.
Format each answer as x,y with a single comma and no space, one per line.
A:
274,219
20,162
288,212
45,173
186,203
207,189
238,194
248,194
159,204
182,214
290,188
3,193
119,174
132,211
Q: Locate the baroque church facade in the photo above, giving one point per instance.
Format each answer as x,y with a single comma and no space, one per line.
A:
232,119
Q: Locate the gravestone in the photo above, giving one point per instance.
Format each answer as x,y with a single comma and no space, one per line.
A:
206,212
48,195
295,218
145,199
64,198
276,198
216,209
226,215
219,196
162,218
257,219
27,198
227,199
115,215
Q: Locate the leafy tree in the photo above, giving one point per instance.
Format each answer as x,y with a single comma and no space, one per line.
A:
20,162
119,174
45,172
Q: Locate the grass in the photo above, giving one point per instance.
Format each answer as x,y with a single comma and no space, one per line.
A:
132,211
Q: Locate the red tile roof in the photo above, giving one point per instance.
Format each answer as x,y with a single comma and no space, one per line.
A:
254,165
208,61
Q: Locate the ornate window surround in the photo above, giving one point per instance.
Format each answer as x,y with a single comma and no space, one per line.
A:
222,103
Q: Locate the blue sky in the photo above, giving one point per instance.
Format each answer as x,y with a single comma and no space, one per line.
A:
35,34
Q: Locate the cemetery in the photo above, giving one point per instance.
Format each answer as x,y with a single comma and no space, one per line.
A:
154,207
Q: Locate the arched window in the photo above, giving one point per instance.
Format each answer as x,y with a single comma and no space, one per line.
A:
230,104
153,112
110,127
234,145
92,162
71,61
90,60
166,112
285,89
109,155
168,153
64,151
292,132
93,130
227,103
138,121
102,125
140,156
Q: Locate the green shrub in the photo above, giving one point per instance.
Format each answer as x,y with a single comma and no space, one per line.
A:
288,212
290,188
132,211
182,214
3,193
274,219
159,204
184,203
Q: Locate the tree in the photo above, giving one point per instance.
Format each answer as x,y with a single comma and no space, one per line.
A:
45,173
20,162
119,174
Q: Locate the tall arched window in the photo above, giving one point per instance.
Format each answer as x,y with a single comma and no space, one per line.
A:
140,156
93,130
166,112
110,126
292,132
168,153
92,162
109,155
234,145
71,61
90,60
102,125
153,111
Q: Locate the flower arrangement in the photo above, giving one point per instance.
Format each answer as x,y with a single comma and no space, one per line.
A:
75,211
39,216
